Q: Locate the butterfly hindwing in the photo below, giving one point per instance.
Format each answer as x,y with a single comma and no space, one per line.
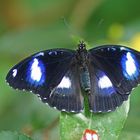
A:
114,72
67,95
103,96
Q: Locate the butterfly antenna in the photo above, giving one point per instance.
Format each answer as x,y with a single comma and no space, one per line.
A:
72,31
66,23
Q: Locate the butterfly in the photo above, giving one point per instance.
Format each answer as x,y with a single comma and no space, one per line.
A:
61,78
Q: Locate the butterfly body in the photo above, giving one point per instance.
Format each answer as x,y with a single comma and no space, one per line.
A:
107,74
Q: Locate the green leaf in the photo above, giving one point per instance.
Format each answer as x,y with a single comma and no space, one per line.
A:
129,136
107,125
8,135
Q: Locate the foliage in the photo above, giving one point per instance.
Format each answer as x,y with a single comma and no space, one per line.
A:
30,26
12,136
107,125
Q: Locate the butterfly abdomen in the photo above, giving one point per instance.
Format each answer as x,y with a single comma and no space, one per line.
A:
85,79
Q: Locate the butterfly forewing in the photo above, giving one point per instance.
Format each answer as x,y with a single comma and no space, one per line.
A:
41,72
120,64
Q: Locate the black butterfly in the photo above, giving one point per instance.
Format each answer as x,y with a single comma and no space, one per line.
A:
107,74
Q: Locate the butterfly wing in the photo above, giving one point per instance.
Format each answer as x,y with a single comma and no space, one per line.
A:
103,97
67,95
42,72
114,72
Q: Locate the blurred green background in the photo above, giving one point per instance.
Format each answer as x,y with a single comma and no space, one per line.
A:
28,26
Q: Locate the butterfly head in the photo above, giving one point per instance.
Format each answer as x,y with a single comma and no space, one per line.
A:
81,46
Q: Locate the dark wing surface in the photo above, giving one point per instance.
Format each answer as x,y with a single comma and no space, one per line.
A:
43,73
67,95
114,72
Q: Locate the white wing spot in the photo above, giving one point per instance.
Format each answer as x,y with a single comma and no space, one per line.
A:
122,48
63,110
14,72
65,83
130,64
114,49
53,53
40,54
36,71
104,82
50,53
108,49
54,107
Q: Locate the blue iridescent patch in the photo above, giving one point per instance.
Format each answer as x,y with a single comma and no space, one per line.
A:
36,72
